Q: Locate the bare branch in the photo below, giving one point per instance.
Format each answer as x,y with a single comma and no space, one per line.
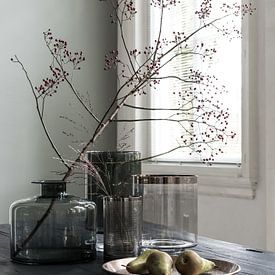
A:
16,60
70,83
160,109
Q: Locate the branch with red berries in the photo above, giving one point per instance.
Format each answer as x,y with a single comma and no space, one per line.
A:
203,120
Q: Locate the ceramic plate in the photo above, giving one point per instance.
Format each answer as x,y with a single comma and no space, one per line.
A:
223,267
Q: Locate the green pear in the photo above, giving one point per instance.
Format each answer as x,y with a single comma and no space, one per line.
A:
190,263
138,265
159,263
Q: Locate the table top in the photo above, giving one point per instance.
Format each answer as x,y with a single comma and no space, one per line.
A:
251,261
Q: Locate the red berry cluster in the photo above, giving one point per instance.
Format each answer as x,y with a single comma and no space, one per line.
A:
164,3
201,116
237,10
59,50
128,9
63,59
111,60
205,9
50,85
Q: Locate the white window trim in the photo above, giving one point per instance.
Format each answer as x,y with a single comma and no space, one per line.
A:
217,180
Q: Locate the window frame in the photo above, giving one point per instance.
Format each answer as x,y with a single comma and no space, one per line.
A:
219,179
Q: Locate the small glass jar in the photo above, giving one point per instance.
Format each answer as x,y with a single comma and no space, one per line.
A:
170,219
53,228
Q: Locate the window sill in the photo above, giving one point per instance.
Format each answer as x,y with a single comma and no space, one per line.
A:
219,180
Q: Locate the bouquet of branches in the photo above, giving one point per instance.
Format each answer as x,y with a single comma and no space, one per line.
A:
203,120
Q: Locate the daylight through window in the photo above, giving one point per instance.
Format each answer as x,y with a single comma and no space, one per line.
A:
225,66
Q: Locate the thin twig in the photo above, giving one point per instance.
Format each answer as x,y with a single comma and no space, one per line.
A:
71,85
16,60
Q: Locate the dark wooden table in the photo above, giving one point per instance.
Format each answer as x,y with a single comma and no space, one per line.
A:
251,262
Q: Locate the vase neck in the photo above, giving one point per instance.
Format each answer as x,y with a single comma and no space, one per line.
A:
52,188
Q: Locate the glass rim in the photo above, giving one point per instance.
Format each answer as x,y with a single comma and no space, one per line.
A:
48,182
122,198
112,152
165,179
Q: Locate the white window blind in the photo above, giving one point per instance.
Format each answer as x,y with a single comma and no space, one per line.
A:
225,65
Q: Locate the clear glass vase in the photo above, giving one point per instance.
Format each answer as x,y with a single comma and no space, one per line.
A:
122,226
170,218
116,169
53,227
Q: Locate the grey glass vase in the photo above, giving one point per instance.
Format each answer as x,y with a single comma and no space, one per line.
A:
116,169
53,227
